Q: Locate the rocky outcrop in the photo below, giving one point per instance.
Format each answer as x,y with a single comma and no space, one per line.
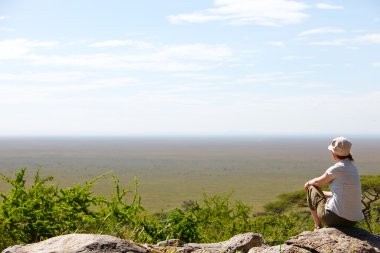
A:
79,243
324,240
240,243
329,240
87,243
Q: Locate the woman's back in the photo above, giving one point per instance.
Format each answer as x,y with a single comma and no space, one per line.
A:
346,191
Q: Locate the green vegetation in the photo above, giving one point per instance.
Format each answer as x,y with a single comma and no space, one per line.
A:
43,210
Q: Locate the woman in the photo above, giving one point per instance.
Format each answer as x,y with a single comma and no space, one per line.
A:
341,206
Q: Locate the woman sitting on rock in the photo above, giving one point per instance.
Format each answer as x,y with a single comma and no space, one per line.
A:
341,206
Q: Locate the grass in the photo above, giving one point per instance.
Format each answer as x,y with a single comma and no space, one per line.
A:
171,171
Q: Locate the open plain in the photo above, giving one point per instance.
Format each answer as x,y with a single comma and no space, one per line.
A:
171,170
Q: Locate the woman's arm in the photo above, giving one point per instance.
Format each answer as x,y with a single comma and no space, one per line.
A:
327,194
319,181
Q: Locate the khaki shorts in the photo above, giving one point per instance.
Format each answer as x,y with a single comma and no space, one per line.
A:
317,201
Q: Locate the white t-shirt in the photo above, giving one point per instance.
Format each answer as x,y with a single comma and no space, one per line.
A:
346,191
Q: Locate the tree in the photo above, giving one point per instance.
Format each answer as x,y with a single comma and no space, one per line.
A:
370,195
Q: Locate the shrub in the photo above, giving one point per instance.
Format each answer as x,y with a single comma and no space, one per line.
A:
30,214
43,210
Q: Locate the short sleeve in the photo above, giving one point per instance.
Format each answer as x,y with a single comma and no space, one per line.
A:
334,170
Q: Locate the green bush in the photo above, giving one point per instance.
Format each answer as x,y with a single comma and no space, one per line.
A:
43,210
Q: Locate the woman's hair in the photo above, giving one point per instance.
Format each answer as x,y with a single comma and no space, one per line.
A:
349,157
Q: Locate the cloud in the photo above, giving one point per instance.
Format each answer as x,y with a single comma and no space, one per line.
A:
37,93
321,30
325,6
376,64
369,38
274,78
94,85
317,85
194,18
3,17
5,29
20,48
152,62
349,42
277,43
198,52
120,43
188,57
322,65
289,57
334,42
239,12
43,77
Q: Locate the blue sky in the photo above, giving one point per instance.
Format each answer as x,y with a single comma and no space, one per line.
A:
189,67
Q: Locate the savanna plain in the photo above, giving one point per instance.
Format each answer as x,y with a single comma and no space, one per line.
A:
172,170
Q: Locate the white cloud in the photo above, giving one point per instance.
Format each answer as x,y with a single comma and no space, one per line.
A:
335,42
194,18
369,38
277,43
349,42
325,6
119,43
42,94
274,78
322,65
190,57
3,17
321,30
20,48
43,77
100,85
269,12
151,62
4,29
13,49
187,57
376,64
317,85
289,57
198,52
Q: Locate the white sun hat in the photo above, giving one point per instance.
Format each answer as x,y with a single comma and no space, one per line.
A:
340,146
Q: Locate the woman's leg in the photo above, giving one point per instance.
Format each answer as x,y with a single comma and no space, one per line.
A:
316,201
332,220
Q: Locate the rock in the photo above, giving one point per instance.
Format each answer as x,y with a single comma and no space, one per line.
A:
326,240
170,242
86,243
337,240
329,240
242,243
278,249
80,243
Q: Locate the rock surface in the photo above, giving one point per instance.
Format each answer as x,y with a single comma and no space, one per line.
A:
241,243
329,240
324,240
79,243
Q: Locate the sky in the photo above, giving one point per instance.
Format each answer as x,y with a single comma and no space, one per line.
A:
189,67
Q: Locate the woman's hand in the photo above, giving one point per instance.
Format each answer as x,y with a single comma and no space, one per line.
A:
307,185
319,181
